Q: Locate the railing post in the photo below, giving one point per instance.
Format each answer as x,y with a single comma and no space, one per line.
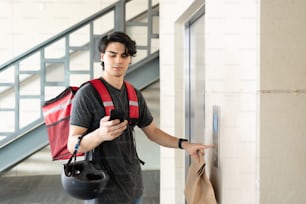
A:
120,16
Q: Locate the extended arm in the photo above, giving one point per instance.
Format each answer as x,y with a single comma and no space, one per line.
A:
164,139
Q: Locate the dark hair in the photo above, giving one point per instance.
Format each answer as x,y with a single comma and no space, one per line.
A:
130,45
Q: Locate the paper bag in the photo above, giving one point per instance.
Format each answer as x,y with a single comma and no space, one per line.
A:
198,189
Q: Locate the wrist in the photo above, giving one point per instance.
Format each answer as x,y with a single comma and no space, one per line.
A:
98,138
181,143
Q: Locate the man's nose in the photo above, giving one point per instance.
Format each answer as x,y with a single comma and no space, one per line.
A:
118,59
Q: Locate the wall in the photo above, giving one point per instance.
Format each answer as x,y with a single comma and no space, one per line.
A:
282,102
231,66
21,20
24,25
232,82
172,167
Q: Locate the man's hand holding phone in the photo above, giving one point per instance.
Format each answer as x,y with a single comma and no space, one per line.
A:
110,127
116,114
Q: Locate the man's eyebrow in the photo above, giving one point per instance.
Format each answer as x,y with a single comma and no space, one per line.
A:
113,52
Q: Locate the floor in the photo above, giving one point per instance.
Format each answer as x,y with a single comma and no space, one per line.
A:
47,189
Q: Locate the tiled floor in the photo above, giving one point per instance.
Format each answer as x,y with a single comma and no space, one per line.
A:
47,189
33,190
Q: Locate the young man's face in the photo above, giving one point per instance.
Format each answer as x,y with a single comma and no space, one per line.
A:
116,60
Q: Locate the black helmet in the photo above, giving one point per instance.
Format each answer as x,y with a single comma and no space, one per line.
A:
82,180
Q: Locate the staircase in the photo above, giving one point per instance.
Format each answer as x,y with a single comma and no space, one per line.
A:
36,75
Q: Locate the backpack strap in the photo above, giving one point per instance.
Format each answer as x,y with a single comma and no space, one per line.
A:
109,105
104,94
108,102
133,101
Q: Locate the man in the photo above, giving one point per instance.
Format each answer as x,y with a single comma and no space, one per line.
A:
113,141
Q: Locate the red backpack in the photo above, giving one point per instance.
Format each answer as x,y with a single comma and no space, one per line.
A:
56,114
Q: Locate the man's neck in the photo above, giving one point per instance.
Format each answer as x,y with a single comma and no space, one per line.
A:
116,82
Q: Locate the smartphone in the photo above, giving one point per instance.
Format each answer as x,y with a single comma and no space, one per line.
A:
116,114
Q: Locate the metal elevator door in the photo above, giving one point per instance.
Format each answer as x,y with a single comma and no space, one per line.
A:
195,81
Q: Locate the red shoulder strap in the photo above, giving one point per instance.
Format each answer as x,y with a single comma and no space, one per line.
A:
104,94
133,101
108,102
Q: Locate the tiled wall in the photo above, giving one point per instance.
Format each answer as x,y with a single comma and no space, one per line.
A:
283,102
19,18
232,82
171,99
25,24
255,72
231,66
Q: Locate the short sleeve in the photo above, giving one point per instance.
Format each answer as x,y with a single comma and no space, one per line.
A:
145,116
86,108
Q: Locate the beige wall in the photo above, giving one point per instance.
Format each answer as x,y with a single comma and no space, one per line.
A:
232,77
21,20
171,163
173,15
283,102
24,25
231,69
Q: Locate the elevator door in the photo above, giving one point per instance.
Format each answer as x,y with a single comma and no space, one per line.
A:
195,79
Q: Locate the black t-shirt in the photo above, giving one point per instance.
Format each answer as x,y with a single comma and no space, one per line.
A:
118,157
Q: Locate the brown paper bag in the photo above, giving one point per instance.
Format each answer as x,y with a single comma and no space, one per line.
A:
198,189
